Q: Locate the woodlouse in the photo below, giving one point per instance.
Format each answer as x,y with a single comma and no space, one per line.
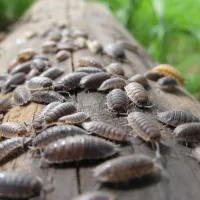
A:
93,81
94,46
40,64
139,78
10,146
125,44
67,46
75,118
167,83
89,70
169,71
49,47
76,32
56,132
20,185
5,104
77,148
13,129
105,130
62,55
115,69
52,73
137,94
34,72
21,95
111,83
47,97
176,117
153,76
189,132
125,168
117,101
26,54
55,35
80,42
39,82
89,61
23,67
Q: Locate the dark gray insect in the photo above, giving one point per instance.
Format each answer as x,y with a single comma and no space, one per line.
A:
167,83
59,111
77,148
23,67
116,51
75,118
5,104
13,129
10,146
93,81
139,78
40,64
62,55
39,121
125,168
115,69
34,72
21,95
144,126
117,101
105,130
20,185
47,97
26,54
111,83
71,80
15,79
189,132
89,61
52,73
54,133
137,94
89,70
4,76
96,195
153,76
176,117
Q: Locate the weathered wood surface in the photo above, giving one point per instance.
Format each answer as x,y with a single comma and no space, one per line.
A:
184,173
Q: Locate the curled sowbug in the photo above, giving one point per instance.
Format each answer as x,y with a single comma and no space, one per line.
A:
176,117
52,73
167,83
89,61
139,78
105,130
115,69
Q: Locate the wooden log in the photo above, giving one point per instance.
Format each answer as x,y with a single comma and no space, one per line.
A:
97,21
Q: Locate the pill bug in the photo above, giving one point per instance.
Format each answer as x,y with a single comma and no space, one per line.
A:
66,45
55,35
22,67
176,117
93,81
49,46
115,69
76,32
125,44
139,78
5,104
71,80
12,64
4,76
89,70
58,111
94,46
137,94
10,146
13,129
20,185
153,76
117,101
52,73
125,168
80,42
41,57
47,97
105,130
167,83
189,132
40,64
54,133
78,148
38,122
26,54
89,61
21,95
75,118
111,83
168,70
62,55
144,126
96,195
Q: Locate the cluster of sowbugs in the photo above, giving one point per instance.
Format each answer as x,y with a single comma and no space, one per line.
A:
63,134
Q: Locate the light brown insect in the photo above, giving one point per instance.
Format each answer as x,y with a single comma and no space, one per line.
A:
153,76
89,61
77,148
75,118
169,70
96,195
94,46
62,55
111,83
13,129
49,46
105,130
137,94
176,117
21,95
5,104
117,101
125,44
189,132
139,78
52,73
80,42
93,81
47,97
115,69
10,146
26,54
167,83
24,67
20,185
125,168
54,133
89,70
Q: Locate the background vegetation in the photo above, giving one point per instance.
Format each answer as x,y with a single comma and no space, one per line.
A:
169,30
